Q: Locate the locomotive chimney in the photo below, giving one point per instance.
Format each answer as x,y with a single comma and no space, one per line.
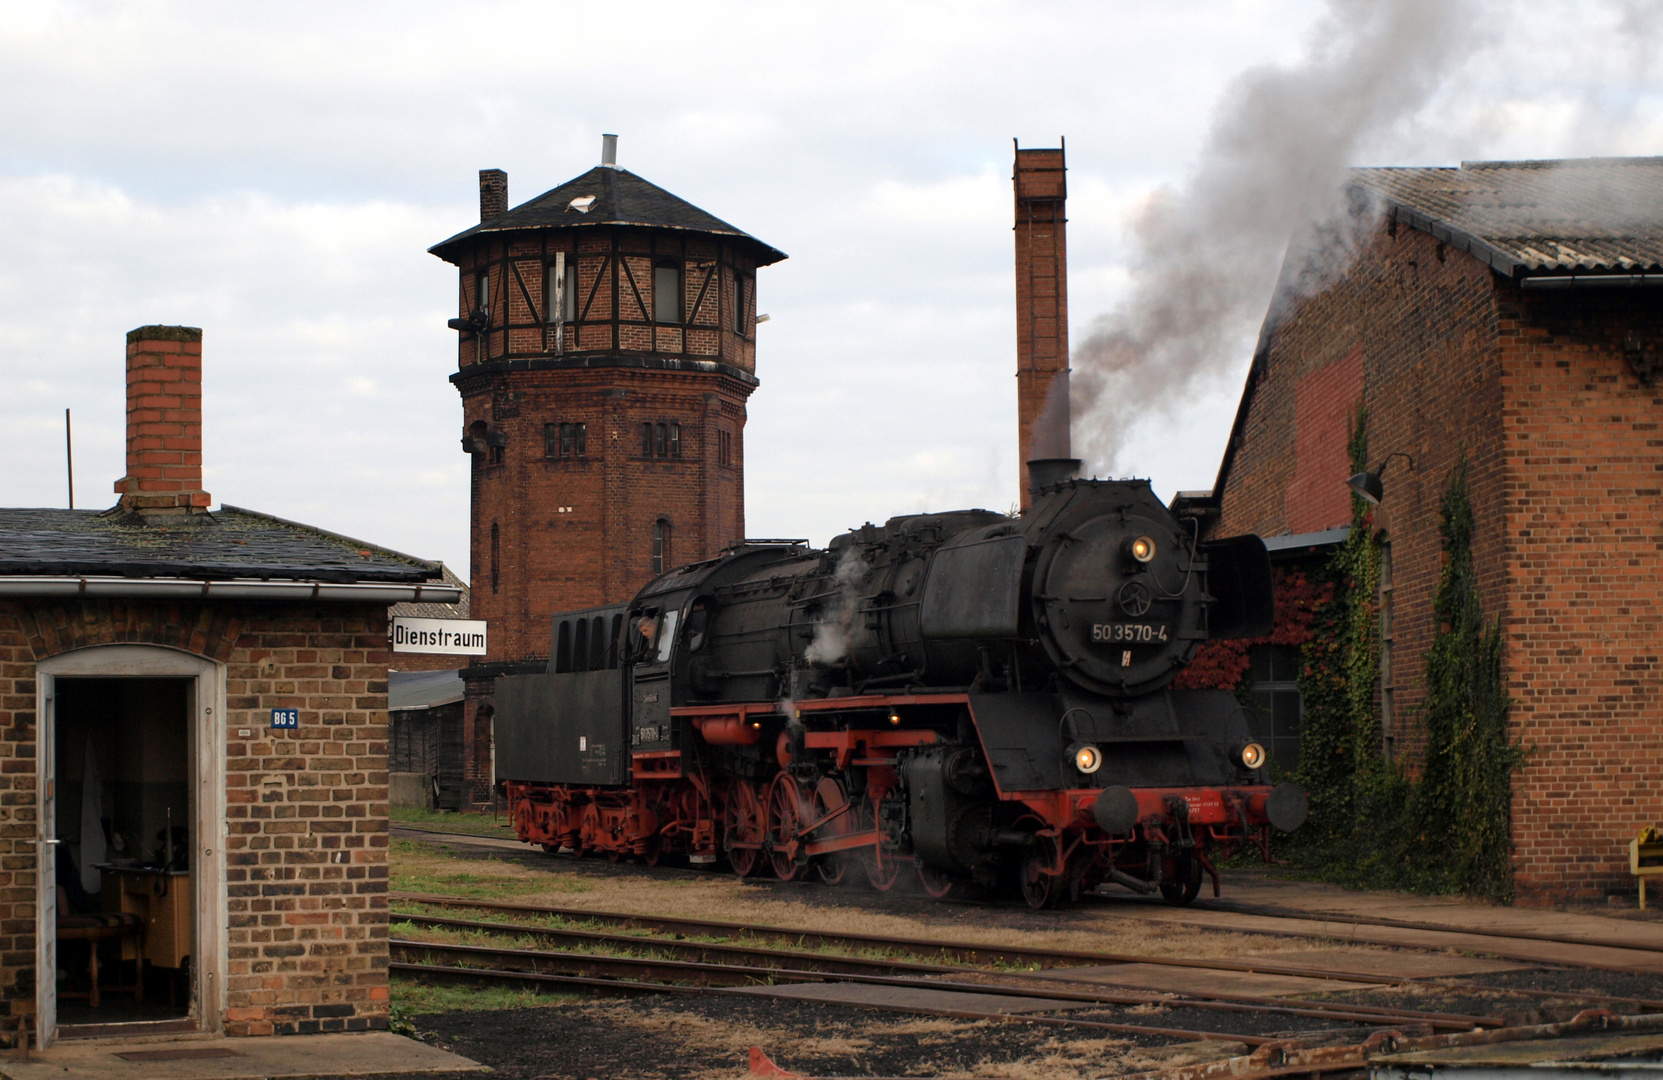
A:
1042,414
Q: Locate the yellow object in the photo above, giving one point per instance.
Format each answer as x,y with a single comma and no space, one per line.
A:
1645,857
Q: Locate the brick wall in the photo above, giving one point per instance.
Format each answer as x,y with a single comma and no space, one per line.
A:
1422,320
306,851
1562,441
1585,615
574,531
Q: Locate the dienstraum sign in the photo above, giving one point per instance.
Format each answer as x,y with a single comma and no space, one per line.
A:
460,637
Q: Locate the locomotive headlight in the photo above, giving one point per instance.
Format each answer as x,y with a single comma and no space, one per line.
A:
1252,755
1087,758
894,717
1142,549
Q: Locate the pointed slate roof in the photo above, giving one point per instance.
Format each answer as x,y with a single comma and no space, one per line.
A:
1586,215
621,198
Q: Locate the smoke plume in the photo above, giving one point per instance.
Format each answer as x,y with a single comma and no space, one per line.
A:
837,619
1271,184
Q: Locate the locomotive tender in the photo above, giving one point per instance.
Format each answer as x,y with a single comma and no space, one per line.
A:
965,696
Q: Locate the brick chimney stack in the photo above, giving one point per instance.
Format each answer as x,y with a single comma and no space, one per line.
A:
493,194
1039,178
164,423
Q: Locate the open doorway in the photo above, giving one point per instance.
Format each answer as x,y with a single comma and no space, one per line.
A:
125,829
131,782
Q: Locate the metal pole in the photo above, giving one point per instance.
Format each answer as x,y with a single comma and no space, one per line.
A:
69,459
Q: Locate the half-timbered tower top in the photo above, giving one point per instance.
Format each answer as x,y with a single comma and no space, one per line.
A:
606,350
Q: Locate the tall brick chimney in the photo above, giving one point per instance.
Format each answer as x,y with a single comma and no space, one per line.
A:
164,423
493,194
1039,179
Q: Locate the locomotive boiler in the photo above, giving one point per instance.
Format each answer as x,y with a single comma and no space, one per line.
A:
968,697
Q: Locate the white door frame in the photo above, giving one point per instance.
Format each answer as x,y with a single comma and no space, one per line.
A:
206,739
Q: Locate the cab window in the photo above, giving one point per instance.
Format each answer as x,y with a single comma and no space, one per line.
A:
667,636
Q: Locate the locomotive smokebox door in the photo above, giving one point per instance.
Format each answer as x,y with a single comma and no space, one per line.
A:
1238,577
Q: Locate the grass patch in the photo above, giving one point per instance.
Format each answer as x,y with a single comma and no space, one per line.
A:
415,998
462,822
426,868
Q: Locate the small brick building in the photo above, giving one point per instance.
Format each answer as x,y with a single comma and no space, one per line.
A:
193,720
1509,312
607,349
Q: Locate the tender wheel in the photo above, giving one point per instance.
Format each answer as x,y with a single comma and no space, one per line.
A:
739,824
552,849
1039,889
936,883
786,817
1185,883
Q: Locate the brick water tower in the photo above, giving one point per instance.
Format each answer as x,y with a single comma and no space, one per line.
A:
607,347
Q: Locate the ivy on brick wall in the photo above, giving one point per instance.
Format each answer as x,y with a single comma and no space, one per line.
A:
1357,797
1369,824
1461,814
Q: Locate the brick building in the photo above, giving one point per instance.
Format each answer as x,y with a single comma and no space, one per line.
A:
193,720
1508,312
607,349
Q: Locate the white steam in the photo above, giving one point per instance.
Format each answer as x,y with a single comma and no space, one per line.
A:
837,618
1271,183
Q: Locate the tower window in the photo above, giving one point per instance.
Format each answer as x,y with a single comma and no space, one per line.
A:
662,440
568,298
739,324
724,448
661,545
565,440
482,290
666,291
498,454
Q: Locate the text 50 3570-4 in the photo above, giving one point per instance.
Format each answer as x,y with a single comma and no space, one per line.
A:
1128,632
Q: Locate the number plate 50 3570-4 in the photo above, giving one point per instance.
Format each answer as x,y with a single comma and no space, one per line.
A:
1128,632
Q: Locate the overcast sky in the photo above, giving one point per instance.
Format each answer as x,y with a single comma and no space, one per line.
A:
274,174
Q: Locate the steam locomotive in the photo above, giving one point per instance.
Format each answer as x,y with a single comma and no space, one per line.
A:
970,698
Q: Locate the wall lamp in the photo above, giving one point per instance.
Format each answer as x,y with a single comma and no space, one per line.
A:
1367,484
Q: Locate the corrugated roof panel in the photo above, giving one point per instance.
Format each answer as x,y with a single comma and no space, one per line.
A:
1589,214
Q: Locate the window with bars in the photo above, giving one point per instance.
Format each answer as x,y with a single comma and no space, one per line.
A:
565,440
1273,688
724,448
660,440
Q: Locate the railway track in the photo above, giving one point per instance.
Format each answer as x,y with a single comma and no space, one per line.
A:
972,985
745,966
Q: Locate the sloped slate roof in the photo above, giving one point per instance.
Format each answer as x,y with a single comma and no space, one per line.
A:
621,198
412,609
237,543
1587,215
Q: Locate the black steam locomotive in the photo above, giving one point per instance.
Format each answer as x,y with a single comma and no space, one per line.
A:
965,696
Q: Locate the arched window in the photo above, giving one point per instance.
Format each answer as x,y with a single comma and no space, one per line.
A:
496,557
661,546
597,643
